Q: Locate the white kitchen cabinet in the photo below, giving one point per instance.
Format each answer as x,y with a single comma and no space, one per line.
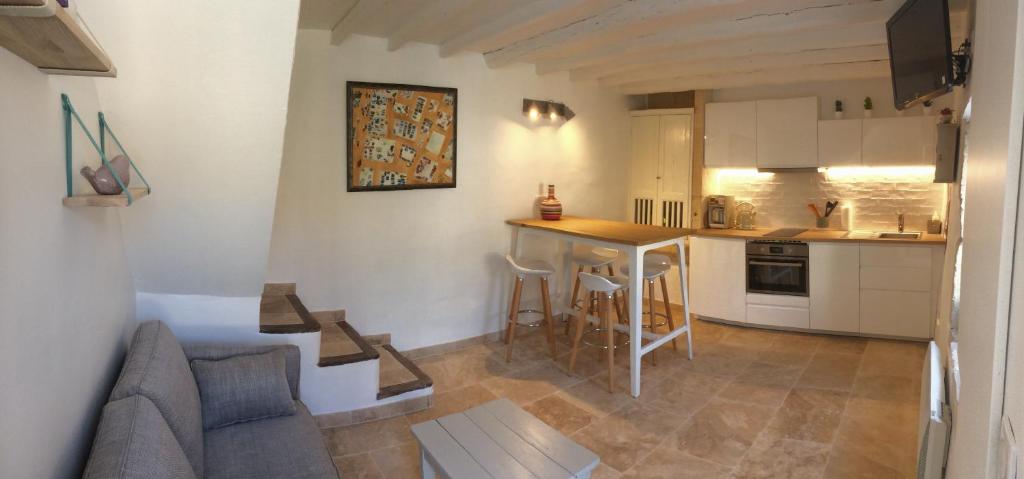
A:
787,133
718,278
898,289
900,141
778,310
839,143
662,154
834,271
895,313
730,135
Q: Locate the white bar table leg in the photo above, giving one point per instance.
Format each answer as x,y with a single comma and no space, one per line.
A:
636,265
681,250
567,278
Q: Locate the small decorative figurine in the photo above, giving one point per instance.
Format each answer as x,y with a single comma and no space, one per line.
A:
102,180
550,207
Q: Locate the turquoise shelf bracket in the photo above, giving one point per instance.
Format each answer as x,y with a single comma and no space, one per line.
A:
71,114
104,130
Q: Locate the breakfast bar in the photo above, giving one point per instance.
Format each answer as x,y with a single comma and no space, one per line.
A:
632,239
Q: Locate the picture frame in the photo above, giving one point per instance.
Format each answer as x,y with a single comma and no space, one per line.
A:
400,136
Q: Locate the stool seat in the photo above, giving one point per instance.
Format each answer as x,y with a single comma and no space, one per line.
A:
603,283
530,267
654,265
595,257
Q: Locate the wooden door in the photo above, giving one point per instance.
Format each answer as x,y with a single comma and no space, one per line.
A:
674,170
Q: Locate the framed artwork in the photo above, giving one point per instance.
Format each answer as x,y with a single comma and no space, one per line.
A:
400,137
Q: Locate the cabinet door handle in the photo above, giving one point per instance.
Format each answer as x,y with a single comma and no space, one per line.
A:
765,263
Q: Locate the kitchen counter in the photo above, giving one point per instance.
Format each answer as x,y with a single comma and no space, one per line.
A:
836,236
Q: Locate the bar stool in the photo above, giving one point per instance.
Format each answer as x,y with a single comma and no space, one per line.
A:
655,267
604,287
595,259
524,268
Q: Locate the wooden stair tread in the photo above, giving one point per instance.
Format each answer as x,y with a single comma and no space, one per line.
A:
285,314
399,375
342,344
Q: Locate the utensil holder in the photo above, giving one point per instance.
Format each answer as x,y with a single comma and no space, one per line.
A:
822,222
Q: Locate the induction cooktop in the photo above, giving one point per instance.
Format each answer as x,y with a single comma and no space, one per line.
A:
785,232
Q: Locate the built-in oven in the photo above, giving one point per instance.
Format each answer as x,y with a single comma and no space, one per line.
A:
777,267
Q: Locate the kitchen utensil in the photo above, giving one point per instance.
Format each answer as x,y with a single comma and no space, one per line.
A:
830,206
814,209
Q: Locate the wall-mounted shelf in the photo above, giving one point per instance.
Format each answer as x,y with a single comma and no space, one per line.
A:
107,201
46,35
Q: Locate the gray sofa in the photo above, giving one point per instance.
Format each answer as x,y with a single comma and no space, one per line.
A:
152,426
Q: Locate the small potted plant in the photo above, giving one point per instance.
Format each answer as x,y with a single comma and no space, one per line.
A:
839,109
926,107
947,115
868,106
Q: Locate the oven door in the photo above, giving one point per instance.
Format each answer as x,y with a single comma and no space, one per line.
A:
777,275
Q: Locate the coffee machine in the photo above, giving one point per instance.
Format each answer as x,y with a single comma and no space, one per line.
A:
720,212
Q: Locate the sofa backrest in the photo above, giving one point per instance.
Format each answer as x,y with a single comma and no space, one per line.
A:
156,368
134,442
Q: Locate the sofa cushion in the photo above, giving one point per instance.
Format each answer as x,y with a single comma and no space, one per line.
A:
134,441
243,388
282,447
216,352
157,369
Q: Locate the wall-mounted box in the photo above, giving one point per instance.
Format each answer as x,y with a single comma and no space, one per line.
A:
947,152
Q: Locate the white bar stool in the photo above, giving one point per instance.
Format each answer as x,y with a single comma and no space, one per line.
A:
524,268
595,259
655,267
604,287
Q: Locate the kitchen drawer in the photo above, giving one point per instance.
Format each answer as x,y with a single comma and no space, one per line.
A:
783,316
896,256
896,279
778,300
895,313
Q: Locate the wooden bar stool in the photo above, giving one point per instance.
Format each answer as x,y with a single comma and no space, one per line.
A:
524,268
655,267
605,288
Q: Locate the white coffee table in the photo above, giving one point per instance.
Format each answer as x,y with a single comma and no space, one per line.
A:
499,439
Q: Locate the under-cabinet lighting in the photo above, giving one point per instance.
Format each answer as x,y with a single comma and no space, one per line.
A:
908,174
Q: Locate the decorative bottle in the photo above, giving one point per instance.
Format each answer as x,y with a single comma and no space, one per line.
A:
550,207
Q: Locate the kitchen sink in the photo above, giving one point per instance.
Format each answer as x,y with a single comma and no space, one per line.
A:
891,235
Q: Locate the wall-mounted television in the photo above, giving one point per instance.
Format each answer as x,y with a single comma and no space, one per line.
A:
920,52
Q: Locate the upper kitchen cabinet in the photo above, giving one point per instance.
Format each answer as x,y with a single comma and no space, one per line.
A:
901,141
787,133
730,135
839,143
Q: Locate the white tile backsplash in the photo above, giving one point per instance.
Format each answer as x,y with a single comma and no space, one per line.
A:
875,195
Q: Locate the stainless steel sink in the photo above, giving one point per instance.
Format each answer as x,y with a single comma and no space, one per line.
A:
893,235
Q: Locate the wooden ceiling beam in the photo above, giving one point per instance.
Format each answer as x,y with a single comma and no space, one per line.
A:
431,14
667,57
762,21
349,23
625,15
773,76
798,59
530,16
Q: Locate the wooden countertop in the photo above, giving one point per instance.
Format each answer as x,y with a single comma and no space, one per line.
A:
604,230
837,236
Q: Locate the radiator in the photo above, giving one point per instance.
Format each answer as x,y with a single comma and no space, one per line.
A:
934,421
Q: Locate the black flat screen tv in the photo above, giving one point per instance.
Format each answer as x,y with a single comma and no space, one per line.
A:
920,54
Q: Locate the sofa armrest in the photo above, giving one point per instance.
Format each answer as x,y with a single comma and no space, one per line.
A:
216,352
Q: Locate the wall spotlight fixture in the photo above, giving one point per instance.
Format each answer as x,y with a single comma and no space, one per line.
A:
553,111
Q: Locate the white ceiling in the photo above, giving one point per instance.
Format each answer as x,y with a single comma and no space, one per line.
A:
639,46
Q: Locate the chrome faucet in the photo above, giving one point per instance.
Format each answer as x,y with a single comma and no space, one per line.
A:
899,222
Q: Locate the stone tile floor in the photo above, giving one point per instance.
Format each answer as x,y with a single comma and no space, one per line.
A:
752,404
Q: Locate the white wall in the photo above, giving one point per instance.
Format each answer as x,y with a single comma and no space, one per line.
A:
200,102
66,296
428,266
991,174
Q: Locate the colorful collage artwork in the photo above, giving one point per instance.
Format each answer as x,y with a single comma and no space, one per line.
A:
400,137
